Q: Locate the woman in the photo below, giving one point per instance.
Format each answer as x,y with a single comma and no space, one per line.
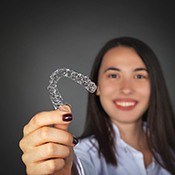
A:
130,122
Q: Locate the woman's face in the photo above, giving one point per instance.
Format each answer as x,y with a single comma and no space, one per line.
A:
123,85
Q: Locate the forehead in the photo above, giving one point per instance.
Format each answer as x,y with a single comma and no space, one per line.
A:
122,56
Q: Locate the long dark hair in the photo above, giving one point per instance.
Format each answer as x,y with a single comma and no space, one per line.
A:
159,115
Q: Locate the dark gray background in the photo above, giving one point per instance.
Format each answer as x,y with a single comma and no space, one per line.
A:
39,37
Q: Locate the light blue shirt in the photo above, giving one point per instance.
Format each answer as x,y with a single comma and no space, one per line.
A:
130,160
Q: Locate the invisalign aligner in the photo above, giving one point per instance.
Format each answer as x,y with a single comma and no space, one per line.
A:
79,78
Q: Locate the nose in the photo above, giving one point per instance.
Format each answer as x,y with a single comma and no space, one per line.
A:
127,87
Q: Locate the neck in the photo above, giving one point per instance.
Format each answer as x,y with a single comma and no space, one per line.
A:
133,134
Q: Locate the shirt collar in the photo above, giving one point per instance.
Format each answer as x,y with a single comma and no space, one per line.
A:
119,141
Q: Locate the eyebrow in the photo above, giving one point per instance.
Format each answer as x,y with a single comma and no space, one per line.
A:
141,69
117,69
112,68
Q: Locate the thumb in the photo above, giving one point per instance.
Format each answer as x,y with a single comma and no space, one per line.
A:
66,109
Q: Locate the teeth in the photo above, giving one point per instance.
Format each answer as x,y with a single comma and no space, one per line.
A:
125,104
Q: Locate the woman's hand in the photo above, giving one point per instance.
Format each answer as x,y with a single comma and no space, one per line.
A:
47,146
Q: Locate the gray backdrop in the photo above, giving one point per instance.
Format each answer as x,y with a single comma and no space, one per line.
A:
39,37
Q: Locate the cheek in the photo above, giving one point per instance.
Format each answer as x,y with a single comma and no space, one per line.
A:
106,94
105,89
145,92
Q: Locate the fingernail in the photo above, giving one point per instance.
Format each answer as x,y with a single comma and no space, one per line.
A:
75,140
67,117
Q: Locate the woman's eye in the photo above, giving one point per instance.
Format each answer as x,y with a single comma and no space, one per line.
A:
113,76
139,76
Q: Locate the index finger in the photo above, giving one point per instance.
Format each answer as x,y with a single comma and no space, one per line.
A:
47,118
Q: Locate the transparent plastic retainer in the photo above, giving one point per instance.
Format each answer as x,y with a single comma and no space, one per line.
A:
79,78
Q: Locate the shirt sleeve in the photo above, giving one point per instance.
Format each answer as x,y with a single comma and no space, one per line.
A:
83,163
85,159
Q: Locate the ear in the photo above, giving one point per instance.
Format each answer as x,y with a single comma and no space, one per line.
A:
97,91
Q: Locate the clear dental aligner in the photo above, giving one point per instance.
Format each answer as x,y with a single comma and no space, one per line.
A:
79,78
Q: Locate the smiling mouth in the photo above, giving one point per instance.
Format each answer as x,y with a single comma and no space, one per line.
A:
125,105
